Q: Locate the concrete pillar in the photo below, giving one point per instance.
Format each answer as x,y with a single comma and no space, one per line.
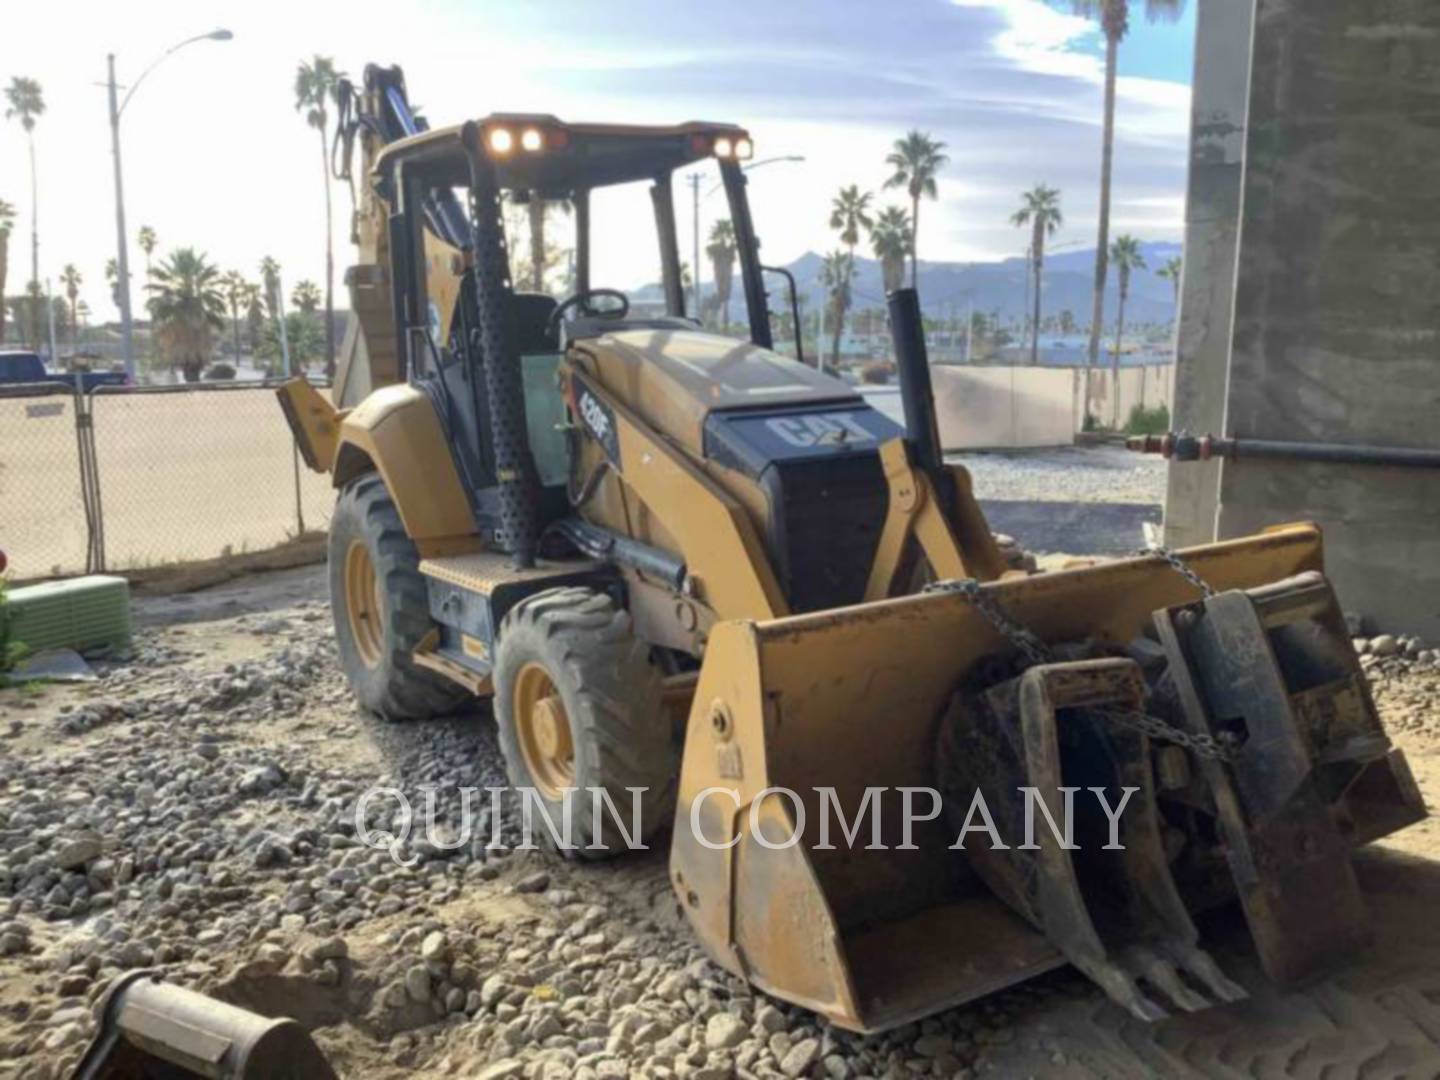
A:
1336,333
1212,229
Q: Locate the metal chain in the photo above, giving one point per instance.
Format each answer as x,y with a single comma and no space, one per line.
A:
1203,745
1036,651
1180,566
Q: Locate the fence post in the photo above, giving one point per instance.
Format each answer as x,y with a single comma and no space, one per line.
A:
299,502
89,464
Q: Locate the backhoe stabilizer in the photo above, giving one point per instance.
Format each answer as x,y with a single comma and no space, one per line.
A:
313,421
836,717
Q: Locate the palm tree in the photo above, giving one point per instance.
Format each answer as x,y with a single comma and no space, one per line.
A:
187,305
270,279
234,285
1114,19
306,296
315,84
849,213
538,209
916,159
112,279
7,222
721,250
25,101
148,240
72,280
33,310
891,239
835,275
1039,209
252,300
1125,254
1171,273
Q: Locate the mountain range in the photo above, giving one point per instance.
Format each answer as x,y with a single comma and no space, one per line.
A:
949,289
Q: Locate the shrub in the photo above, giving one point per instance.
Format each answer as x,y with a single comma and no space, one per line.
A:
10,649
877,373
219,372
1145,421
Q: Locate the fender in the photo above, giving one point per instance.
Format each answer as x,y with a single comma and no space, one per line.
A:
396,432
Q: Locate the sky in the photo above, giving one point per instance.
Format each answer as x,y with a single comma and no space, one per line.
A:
216,156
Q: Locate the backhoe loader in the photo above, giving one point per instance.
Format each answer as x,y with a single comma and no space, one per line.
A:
678,561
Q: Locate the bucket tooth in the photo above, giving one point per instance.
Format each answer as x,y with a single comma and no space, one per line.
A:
1201,966
1160,973
1123,988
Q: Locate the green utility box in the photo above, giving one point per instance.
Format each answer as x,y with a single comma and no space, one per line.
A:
80,613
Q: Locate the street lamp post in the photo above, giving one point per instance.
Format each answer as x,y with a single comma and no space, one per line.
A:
122,255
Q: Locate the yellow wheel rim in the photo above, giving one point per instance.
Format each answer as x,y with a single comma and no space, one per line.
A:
543,731
363,604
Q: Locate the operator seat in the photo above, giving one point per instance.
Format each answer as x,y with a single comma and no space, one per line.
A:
531,314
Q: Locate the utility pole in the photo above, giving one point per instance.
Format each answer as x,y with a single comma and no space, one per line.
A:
1029,269
122,255
122,248
280,318
694,179
969,328
50,311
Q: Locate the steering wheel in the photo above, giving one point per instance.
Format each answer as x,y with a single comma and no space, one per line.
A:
581,302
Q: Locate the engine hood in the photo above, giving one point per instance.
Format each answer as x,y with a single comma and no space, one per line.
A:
676,378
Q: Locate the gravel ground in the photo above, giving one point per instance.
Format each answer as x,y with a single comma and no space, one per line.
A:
194,811
1082,474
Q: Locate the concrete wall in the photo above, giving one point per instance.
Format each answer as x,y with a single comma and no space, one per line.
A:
1000,407
1219,103
996,408
1149,385
1336,328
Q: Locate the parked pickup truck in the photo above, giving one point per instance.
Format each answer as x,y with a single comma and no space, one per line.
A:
20,366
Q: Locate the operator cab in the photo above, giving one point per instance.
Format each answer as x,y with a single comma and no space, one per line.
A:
542,225
584,182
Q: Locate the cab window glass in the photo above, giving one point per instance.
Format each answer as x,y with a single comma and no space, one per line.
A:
540,234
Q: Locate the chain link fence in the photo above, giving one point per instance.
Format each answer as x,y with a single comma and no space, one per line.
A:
126,478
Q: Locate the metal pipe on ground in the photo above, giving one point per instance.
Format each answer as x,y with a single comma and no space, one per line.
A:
150,1028
1181,447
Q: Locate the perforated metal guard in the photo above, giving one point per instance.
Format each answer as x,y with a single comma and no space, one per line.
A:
514,468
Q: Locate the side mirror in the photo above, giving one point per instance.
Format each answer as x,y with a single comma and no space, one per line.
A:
794,306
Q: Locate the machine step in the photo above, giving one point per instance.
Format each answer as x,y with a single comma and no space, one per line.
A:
485,572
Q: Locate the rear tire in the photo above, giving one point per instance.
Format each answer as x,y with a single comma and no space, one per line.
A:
580,705
381,607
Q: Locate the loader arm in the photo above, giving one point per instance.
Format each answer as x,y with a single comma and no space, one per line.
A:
959,545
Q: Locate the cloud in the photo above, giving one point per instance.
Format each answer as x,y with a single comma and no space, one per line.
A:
217,157
1042,39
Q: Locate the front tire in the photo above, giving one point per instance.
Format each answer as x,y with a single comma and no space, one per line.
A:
381,607
580,705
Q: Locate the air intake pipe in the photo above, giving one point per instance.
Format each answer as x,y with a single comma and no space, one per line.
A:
917,395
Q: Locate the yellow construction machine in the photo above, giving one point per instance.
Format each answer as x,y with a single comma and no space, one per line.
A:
679,561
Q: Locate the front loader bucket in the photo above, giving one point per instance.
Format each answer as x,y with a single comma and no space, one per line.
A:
795,717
